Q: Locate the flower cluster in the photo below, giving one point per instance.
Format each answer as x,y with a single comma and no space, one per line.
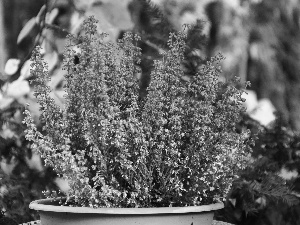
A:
177,146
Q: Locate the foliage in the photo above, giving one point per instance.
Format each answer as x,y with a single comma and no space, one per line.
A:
22,176
263,188
19,183
178,146
258,39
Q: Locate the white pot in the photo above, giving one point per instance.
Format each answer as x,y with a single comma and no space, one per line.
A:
53,214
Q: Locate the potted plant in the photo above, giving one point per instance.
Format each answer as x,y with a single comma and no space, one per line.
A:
167,158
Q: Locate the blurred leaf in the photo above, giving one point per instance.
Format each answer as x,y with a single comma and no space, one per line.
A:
5,101
33,106
51,58
41,13
52,16
58,96
57,78
17,89
116,13
11,66
25,71
113,17
8,167
26,29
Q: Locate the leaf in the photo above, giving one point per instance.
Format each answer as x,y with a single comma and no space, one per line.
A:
8,167
58,96
41,13
275,188
25,71
34,162
51,58
5,102
26,29
117,14
11,66
17,89
56,78
62,184
261,201
232,201
112,15
52,15
32,106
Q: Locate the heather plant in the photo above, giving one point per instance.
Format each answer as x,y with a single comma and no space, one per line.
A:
178,146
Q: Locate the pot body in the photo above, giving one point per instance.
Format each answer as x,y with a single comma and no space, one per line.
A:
51,214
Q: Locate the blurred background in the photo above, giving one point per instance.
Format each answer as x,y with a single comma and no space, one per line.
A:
260,40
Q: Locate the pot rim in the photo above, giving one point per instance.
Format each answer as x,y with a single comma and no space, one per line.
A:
40,205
